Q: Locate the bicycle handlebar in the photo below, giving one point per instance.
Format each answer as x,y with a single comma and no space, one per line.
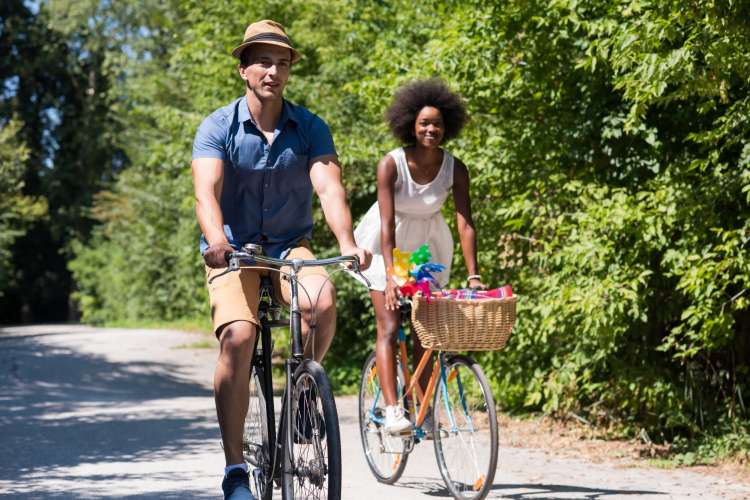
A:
235,258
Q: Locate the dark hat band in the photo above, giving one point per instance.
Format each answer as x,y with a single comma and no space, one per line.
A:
268,37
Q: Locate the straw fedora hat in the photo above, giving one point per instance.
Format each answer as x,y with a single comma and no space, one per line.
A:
268,32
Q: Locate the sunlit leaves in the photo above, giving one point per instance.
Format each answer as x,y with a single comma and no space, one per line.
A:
609,152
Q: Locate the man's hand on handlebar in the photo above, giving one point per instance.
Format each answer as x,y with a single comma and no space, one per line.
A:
215,255
364,256
220,255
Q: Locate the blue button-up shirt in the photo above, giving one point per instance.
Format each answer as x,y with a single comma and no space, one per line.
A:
267,193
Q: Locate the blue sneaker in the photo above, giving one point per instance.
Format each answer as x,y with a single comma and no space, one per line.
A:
236,486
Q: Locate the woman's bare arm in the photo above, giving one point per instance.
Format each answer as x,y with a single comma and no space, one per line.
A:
386,181
465,223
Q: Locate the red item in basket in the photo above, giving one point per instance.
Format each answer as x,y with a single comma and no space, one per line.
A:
411,288
467,293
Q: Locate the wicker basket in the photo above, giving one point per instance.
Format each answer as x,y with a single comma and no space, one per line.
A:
463,325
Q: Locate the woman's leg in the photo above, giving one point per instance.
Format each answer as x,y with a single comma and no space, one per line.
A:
385,359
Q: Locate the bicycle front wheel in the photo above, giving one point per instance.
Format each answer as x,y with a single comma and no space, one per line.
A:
386,455
255,438
312,460
465,429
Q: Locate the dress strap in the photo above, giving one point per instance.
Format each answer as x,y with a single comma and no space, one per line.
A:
402,168
447,170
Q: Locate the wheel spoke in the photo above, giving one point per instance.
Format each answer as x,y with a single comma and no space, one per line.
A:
315,449
467,453
255,437
385,454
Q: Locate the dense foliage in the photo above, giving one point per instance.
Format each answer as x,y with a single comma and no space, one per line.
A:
609,150
57,146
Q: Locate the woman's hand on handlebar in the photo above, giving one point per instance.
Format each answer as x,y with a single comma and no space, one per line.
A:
215,256
362,254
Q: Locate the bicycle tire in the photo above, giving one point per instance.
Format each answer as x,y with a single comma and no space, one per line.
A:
465,429
385,455
312,462
255,438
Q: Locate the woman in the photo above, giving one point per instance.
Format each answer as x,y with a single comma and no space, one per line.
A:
413,183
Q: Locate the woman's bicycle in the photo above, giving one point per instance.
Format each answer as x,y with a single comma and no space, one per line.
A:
304,458
456,410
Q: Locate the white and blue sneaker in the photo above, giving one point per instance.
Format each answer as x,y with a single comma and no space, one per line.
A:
236,485
395,421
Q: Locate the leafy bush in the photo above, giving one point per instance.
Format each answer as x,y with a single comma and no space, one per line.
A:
609,153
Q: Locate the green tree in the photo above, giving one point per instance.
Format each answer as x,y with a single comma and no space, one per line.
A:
608,151
56,89
16,210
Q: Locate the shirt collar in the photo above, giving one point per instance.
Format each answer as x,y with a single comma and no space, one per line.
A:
243,112
288,112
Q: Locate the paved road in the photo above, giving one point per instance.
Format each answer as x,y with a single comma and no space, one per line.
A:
128,414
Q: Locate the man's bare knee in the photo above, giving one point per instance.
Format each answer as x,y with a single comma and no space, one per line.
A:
327,302
237,337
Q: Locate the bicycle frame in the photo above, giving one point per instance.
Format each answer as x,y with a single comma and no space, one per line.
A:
458,400
412,385
262,359
411,380
252,256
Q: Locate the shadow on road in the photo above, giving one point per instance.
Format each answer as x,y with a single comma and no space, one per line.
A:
537,491
61,409
428,487
156,495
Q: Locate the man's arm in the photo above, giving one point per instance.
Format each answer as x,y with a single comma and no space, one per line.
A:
208,178
325,174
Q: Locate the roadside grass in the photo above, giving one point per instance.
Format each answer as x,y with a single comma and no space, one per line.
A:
203,325
200,344
725,448
345,380
729,442
192,325
200,325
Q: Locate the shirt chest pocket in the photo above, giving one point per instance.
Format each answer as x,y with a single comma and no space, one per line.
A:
292,171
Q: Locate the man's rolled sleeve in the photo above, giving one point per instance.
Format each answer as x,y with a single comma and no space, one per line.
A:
210,139
321,140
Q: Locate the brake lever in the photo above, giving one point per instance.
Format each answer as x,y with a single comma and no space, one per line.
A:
355,270
233,264
359,271
367,282
225,271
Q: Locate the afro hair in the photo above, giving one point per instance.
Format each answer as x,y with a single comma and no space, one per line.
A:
411,98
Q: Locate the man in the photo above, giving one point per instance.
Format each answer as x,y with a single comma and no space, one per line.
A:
255,164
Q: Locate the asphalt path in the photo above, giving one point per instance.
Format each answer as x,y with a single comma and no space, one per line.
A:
128,414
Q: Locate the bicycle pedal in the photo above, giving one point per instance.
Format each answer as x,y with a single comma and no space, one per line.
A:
402,434
260,482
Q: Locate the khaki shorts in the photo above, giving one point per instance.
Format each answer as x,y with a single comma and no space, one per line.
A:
235,296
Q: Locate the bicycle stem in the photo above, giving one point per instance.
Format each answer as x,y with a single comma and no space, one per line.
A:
296,314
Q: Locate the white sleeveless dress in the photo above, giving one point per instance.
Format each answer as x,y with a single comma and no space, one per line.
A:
418,220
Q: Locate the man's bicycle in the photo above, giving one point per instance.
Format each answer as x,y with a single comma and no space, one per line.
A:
304,457
456,410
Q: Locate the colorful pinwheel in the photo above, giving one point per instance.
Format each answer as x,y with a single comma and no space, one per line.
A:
421,255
